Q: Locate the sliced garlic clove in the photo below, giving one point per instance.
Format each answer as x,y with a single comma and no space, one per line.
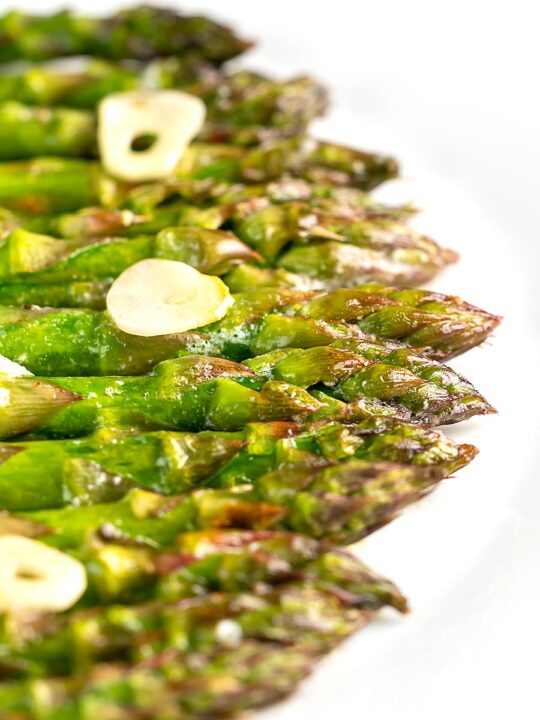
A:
171,116
12,369
37,578
159,297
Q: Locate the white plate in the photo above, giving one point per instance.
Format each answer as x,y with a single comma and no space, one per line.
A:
452,90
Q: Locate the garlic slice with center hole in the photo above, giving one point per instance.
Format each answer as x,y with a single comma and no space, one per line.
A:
37,578
165,120
12,369
159,297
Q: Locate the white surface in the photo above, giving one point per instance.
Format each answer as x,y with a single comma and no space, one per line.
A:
452,90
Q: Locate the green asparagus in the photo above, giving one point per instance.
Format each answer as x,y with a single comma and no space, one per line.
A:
234,680
353,384
141,32
199,687
193,595
338,503
204,482
27,131
105,466
343,201
371,250
340,251
194,392
26,256
56,185
49,85
85,342
190,393
245,109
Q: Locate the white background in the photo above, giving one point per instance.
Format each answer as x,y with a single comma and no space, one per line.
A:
453,90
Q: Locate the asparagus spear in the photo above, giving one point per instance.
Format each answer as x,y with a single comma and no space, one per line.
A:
221,685
85,342
342,201
27,131
154,206
106,465
98,222
355,384
49,85
56,185
178,617
141,32
339,503
263,673
27,256
87,294
190,393
246,109
371,250
340,251
194,392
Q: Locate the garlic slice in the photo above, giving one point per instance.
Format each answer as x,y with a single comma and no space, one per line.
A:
12,369
37,578
158,297
171,116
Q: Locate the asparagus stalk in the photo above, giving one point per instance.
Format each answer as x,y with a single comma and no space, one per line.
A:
105,466
355,379
27,131
27,256
76,293
95,222
49,85
258,110
197,600
339,503
154,206
190,393
247,108
371,250
263,673
85,342
195,392
342,201
340,251
141,32
221,685
56,185
244,109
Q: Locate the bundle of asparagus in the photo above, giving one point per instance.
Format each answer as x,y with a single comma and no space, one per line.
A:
174,498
